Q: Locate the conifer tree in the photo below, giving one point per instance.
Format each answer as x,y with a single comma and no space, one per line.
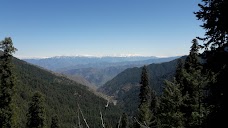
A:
36,114
213,14
154,109
192,82
55,122
170,105
144,112
7,83
192,61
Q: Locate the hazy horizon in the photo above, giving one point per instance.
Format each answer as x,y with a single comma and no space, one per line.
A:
100,28
95,56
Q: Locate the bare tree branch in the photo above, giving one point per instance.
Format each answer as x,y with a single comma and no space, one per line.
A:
119,121
79,124
102,121
83,116
143,126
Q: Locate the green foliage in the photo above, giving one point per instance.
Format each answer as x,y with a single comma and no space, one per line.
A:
144,112
145,91
124,122
7,83
36,113
130,79
192,61
170,104
192,82
182,102
55,122
61,98
213,13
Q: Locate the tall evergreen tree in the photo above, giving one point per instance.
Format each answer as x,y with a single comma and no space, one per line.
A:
36,114
144,112
154,109
55,122
192,82
192,61
213,13
170,105
7,83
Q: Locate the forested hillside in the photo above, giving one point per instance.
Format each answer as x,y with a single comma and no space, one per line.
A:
62,97
125,86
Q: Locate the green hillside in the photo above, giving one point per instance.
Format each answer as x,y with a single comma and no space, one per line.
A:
125,86
61,97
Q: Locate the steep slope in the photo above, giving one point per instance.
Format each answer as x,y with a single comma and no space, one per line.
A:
62,97
125,86
81,80
96,76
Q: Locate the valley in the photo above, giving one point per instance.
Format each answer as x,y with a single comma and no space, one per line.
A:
94,71
116,79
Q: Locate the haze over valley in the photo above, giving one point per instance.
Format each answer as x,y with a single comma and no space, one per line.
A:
95,70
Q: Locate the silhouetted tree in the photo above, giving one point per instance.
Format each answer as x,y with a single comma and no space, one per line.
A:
36,114
213,13
7,83
192,61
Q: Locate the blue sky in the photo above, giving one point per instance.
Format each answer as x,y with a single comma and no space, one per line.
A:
45,28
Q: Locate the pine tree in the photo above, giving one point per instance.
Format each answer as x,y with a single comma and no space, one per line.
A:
213,13
144,112
36,114
192,61
55,122
192,82
154,109
7,83
170,105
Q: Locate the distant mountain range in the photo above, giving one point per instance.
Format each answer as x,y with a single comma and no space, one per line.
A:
96,70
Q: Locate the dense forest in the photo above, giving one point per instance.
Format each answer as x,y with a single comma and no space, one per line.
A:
193,97
60,96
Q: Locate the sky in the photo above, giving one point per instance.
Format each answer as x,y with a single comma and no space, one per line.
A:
46,28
